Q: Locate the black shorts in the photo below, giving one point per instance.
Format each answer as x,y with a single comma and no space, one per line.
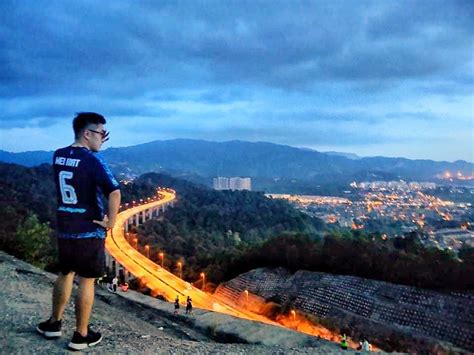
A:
86,256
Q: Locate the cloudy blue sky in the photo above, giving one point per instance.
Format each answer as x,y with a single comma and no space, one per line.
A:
392,78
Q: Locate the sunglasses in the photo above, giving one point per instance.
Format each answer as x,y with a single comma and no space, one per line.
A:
104,134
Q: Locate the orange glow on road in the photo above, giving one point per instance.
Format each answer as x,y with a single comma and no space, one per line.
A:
154,276
162,282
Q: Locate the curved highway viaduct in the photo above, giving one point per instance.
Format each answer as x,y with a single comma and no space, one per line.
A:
158,279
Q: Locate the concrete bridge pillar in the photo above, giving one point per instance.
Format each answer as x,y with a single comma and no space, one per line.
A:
137,219
144,216
110,265
107,260
116,268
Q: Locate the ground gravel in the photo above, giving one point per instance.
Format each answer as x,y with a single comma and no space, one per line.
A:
128,327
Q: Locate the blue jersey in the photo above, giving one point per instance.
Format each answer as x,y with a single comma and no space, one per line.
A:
81,177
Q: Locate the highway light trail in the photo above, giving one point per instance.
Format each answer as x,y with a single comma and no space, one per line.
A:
158,279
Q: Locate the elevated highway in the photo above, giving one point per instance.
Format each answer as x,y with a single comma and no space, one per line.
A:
158,279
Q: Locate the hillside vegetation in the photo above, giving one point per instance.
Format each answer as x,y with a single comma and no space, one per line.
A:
28,211
226,233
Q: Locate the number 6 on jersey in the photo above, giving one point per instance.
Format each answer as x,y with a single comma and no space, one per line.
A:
67,191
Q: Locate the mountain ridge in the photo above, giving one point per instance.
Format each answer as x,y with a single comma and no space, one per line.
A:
259,160
348,155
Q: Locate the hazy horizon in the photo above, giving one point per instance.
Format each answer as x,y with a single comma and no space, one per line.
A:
312,149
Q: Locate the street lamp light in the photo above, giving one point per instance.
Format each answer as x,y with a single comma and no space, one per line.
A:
180,268
147,251
203,276
246,295
162,257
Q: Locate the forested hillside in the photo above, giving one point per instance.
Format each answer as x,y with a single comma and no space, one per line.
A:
27,208
203,220
207,224
228,217
401,260
28,211
225,233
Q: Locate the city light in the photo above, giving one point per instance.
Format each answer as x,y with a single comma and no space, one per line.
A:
162,258
165,283
456,176
180,269
396,207
203,277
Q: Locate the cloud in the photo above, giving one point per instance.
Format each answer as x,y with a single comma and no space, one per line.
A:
330,64
50,46
48,110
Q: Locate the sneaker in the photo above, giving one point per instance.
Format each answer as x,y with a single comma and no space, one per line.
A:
49,330
79,342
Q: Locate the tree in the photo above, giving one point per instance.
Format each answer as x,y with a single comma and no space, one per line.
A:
33,241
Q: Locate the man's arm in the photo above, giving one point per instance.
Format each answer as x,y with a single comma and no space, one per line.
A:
111,216
114,205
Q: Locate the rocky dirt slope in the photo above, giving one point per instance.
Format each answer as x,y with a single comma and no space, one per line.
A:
137,324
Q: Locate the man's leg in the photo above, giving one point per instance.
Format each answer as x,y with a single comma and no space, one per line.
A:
51,328
84,302
61,294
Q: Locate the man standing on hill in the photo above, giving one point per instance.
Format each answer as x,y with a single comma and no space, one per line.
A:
81,178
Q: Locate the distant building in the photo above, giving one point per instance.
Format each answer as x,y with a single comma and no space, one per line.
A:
233,183
393,185
454,238
236,183
221,183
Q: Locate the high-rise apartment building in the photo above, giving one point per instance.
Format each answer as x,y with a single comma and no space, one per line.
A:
233,183
221,183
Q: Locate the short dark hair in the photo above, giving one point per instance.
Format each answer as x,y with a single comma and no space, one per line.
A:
83,119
